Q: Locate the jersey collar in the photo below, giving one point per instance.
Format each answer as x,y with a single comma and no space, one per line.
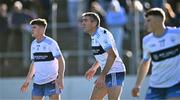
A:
44,37
95,32
165,31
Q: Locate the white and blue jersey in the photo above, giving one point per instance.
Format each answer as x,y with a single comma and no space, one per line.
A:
165,54
102,41
44,55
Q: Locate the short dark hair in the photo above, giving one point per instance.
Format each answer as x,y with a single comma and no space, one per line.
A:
94,16
156,12
39,21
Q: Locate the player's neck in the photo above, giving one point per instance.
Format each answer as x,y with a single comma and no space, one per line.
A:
40,38
93,31
160,31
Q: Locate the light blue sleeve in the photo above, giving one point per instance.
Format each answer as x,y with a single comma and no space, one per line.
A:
32,57
55,50
146,54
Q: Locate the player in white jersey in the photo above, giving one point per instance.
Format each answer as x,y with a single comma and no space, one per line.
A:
112,74
48,65
162,48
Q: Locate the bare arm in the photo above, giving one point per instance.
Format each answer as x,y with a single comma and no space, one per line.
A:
110,60
29,77
91,72
61,70
95,65
142,72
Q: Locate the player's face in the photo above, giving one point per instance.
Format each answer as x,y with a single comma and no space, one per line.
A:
87,24
36,31
151,23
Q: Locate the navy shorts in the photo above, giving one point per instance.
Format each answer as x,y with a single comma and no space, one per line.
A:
115,79
163,93
45,89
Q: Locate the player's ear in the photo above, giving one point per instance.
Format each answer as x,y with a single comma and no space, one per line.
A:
94,23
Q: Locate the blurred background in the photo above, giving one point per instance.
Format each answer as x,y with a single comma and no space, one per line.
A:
124,18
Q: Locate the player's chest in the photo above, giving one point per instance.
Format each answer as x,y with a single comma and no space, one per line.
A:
94,42
96,47
40,48
157,44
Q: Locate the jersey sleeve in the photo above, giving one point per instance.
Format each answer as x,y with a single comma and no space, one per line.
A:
146,55
105,41
32,57
55,50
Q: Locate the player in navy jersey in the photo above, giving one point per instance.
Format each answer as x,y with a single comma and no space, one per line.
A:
161,47
111,78
48,65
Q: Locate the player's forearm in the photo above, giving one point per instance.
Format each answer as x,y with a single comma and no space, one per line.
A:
61,69
95,65
142,72
30,73
110,60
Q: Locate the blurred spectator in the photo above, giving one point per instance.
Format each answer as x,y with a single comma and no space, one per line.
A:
75,8
157,3
4,30
170,15
124,4
116,19
19,17
105,4
97,8
177,16
43,8
133,7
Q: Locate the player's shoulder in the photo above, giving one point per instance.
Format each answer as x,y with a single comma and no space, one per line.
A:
49,40
102,32
147,37
173,30
33,42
